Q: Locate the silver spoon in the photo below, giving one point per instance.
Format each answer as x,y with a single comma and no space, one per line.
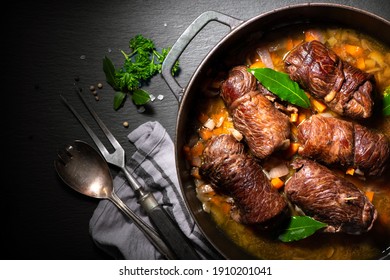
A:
82,168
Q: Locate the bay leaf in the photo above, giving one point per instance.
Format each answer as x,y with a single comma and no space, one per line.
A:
140,97
281,85
109,70
300,227
119,98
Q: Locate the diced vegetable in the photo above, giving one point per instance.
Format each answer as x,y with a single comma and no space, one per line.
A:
265,57
377,57
278,171
277,183
209,124
318,105
360,63
370,195
353,50
370,63
236,134
205,134
350,171
197,149
292,149
313,34
289,44
301,118
294,117
257,64
195,173
205,188
332,41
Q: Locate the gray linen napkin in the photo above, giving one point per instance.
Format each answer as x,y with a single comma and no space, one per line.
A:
153,164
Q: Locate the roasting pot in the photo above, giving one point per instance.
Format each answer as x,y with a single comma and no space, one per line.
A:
222,55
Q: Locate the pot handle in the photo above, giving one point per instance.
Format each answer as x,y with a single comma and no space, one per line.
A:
181,44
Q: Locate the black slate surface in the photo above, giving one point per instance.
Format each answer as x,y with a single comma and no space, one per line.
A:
43,44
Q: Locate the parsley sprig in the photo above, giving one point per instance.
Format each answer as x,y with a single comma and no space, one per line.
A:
140,65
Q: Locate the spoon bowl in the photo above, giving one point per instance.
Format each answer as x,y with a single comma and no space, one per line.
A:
83,169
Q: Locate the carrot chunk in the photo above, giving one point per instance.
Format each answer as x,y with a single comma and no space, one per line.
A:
353,50
257,64
205,133
370,195
293,117
197,149
318,105
277,183
292,149
360,63
350,171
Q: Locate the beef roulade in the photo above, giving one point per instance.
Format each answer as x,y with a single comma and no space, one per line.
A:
329,198
346,89
338,142
264,128
237,174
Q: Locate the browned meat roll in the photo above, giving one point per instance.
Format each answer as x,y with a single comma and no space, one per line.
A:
345,89
264,128
338,142
330,199
235,173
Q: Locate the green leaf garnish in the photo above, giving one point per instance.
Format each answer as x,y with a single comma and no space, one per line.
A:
280,84
119,98
139,66
140,97
300,227
386,102
109,70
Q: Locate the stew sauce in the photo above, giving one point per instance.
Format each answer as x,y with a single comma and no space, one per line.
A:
359,50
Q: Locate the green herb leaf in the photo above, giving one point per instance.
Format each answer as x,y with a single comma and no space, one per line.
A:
386,102
119,99
140,97
140,65
109,70
300,227
280,84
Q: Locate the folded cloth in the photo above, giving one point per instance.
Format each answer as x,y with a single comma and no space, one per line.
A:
153,164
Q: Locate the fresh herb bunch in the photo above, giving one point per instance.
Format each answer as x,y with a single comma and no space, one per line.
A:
140,65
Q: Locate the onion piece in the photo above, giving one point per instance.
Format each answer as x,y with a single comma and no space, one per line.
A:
209,124
326,115
206,207
278,171
203,198
265,57
220,122
236,134
206,188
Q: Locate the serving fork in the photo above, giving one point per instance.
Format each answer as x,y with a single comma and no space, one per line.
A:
165,225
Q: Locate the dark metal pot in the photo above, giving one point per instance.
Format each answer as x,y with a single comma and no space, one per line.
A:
242,32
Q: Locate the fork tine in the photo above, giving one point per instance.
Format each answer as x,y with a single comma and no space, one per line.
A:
94,137
107,132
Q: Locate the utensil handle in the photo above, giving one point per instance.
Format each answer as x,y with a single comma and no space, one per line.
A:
149,232
168,228
181,44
